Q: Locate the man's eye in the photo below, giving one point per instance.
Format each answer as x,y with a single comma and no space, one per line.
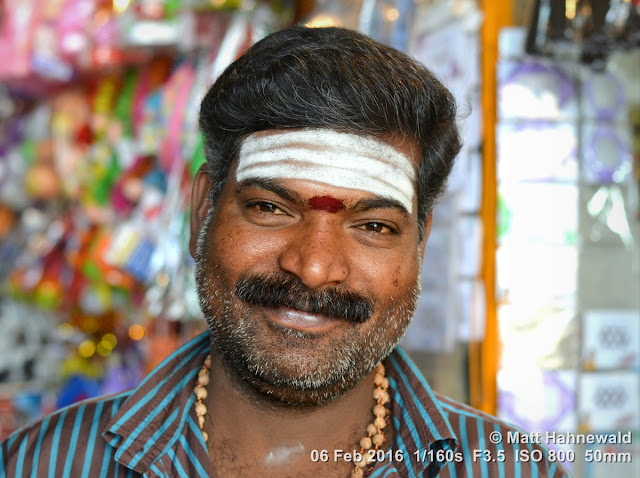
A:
376,227
267,207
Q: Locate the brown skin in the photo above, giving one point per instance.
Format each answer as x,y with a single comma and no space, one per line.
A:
258,231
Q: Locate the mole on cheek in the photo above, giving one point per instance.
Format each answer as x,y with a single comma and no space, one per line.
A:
326,203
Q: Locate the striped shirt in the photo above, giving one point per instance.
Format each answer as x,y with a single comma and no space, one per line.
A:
152,431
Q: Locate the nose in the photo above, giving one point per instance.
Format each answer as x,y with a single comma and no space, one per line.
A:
316,254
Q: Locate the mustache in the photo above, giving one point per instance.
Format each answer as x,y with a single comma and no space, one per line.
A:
288,291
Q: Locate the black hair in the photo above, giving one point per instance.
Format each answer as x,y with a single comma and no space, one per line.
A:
331,78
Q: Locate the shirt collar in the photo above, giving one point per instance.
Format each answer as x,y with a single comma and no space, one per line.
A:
152,419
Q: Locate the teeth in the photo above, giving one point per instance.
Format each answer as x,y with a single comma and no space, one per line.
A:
300,316
302,320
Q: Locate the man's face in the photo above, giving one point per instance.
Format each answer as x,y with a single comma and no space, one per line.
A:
306,280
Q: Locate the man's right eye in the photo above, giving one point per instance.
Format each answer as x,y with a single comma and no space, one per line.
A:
266,207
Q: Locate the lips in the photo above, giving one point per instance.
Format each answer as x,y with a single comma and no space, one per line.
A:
301,320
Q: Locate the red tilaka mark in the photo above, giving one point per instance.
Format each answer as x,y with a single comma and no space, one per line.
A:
326,203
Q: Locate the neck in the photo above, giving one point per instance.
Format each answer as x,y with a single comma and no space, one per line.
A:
253,436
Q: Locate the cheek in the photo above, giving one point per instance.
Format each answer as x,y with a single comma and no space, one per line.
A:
389,275
238,247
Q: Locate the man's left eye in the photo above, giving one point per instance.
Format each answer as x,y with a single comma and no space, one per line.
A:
376,227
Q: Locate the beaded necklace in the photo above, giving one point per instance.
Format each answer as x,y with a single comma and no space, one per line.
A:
369,444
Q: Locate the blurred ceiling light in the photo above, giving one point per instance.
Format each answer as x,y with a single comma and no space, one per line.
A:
322,21
87,348
391,14
570,9
110,339
73,42
104,348
136,332
153,33
120,6
65,330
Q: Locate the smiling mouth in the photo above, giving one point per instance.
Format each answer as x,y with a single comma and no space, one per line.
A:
301,320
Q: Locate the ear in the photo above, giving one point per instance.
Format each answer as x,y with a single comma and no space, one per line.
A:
427,231
200,204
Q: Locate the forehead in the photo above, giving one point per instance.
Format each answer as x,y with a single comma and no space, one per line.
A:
385,168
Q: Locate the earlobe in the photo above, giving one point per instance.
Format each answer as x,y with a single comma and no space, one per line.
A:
200,204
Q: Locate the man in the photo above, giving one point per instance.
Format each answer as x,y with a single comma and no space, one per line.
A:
325,155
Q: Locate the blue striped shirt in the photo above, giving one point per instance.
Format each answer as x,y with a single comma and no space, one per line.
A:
152,431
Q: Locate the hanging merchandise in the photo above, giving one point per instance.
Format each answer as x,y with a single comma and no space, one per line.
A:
175,98
535,89
566,265
445,37
28,349
611,340
585,30
608,402
19,20
12,166
150,23
537,232
606,216
539,400
45,58
546,151
604,97
606,153
48,42
95,188
72,21
433,328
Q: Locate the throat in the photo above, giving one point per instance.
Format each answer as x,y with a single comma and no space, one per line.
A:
248,438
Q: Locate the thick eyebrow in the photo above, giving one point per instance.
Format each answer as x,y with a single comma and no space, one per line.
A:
273,186
380,202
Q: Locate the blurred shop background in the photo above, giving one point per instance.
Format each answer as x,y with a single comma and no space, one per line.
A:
531,283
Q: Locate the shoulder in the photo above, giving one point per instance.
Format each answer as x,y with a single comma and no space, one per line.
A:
460,411
494,446
457,439
61,444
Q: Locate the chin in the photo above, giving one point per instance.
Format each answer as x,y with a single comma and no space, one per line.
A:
298,369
